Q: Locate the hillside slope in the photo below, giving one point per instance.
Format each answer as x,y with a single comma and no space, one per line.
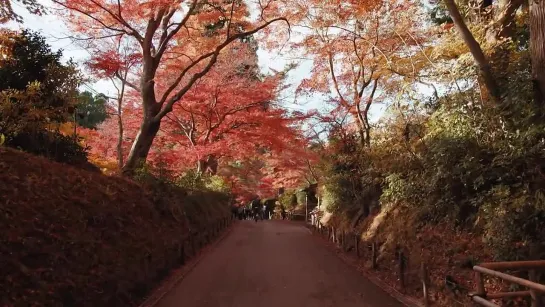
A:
76,238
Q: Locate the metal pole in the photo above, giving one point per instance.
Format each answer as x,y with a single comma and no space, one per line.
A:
513,279
483,301
306,208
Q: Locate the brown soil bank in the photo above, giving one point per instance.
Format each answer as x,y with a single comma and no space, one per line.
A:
75,238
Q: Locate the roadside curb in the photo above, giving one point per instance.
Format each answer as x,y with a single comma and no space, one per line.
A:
179,274
406,300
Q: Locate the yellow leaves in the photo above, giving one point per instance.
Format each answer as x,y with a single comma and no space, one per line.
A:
451,47
107,166
66,128
6,44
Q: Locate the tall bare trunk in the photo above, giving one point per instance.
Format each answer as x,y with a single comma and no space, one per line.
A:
475,49
150,123
141,145
120,125
361,129
120,139
537,49
360,122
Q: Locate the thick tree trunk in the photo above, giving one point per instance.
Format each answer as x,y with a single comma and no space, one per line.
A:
361,131
150,123
210,165
476,51
120,126
362,128
141,146
537,49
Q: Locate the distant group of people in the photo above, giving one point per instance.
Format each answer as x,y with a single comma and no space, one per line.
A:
256,211
244,213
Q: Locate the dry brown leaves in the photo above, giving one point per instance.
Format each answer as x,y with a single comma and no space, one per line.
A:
76,238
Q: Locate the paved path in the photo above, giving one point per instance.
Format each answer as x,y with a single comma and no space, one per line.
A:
274,264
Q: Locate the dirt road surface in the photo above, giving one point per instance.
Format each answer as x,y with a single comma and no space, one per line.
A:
274,264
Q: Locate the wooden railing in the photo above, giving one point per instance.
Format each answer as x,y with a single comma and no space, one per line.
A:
495,269
536,291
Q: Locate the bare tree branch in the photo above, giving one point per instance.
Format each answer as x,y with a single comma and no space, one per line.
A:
213,58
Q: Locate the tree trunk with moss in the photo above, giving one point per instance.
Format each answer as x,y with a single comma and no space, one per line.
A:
485,70
537,49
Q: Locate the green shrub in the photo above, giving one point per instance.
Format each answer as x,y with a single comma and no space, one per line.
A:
288,200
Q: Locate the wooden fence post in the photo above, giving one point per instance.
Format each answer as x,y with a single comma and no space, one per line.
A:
148,266
536,297
401,265
357,245
374,255
424,277
181,253
479,283
193,244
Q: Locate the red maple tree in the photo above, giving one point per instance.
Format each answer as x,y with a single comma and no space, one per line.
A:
229,115
178,42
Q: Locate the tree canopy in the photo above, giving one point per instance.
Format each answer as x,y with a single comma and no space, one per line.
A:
432,111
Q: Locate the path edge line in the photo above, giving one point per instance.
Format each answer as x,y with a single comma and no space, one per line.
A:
406,300
158,294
